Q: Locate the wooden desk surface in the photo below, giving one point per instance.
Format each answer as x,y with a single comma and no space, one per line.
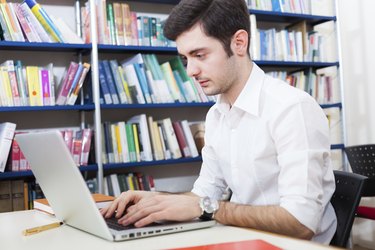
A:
65,237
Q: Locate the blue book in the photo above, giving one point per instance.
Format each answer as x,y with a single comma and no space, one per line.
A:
110,82
118,82
103,85
181,86
75,79
139,69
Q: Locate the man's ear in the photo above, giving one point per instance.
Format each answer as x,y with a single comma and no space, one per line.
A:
240,40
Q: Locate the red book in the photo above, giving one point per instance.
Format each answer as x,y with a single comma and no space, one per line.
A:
66,84
246,244
182,143
15,156
86,143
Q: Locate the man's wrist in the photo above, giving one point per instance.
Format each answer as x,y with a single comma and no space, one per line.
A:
208,207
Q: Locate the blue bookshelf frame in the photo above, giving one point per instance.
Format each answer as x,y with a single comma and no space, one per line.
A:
137,49
156,105
285,17
55,47
110,166
29,173
85,107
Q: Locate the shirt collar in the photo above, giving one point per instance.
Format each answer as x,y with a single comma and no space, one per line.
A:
249,98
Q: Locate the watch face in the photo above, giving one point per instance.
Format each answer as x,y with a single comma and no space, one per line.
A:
210,206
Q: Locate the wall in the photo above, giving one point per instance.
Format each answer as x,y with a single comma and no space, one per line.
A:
358,52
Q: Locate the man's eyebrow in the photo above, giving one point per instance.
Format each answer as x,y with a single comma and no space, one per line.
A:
192,52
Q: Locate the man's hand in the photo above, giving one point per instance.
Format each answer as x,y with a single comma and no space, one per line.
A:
124,201
142,208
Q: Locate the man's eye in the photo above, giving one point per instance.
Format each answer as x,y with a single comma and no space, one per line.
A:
199,56
184,60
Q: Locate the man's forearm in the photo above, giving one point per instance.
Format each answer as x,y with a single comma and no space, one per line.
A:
266,218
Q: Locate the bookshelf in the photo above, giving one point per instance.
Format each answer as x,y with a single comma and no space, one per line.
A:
94,114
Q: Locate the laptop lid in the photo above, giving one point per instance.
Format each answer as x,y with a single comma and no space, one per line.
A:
62,184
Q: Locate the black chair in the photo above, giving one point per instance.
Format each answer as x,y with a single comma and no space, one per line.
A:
345,201
362,161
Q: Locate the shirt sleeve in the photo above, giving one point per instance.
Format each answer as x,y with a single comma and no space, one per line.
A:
301,137
210,182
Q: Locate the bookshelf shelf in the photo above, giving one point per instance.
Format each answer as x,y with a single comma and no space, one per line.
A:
27,46
337,146
156,105
333,105
150,163
29,174
137,49
296,64
272,16
85,107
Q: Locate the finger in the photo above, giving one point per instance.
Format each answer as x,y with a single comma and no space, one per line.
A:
157,216
140,213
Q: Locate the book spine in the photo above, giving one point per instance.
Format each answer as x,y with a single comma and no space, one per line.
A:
46,87
103,84
66,84
33,84
110,82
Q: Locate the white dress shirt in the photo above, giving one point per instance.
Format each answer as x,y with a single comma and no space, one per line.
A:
271,148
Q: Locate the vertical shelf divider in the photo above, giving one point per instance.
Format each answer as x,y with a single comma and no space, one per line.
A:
96,95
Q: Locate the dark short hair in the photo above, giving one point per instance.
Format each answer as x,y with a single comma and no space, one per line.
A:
219,19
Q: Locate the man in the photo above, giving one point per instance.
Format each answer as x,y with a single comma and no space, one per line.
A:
265,140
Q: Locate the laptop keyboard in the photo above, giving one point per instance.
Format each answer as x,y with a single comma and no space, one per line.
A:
113,224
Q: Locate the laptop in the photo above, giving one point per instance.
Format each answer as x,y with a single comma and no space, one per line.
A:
66,191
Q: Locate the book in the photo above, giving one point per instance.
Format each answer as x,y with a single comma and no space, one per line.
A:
181,139
144,139
34,23
198,130
245,244
27,27
171,138
12,196
66,84
101,201
45,20
7,130
6,95
189,138
110,81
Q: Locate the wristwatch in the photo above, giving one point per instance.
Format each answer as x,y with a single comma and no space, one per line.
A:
209,207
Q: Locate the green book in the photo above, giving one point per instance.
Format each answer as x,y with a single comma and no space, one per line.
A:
131,145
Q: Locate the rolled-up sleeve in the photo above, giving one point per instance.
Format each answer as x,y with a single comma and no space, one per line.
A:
301,137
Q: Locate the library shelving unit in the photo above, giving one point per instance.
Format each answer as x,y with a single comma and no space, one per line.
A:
101,112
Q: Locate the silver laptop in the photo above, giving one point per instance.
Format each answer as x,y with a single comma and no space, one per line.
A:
64,187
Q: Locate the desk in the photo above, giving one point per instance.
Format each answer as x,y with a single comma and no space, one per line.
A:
65,237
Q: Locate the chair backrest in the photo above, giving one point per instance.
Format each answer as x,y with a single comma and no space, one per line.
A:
362,161
345,201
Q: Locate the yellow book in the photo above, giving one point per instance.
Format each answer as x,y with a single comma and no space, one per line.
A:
8,21
45,21
33,85
6,86
136,142
118,141
129,180
125,84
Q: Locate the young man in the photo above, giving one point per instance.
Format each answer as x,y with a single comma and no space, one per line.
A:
265,140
